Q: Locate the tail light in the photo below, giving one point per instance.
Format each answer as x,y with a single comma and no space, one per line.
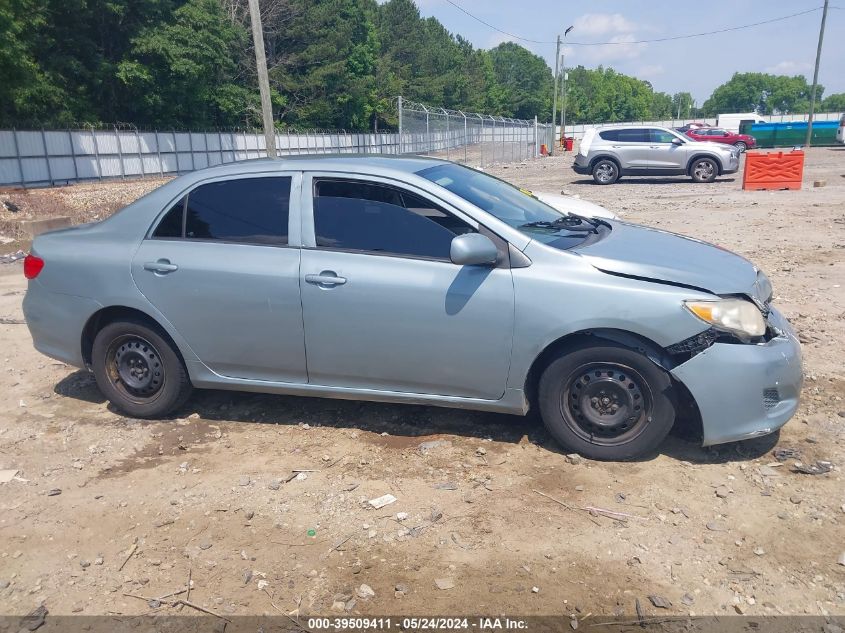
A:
32,266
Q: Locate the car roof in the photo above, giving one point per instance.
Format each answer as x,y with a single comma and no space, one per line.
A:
328,162
629,126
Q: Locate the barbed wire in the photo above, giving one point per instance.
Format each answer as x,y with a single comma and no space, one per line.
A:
412,106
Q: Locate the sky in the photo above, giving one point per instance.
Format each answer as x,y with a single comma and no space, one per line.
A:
696,65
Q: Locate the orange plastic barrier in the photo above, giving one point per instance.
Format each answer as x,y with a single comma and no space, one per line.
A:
773,170
544,151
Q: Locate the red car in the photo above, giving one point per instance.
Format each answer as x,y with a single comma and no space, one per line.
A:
717,135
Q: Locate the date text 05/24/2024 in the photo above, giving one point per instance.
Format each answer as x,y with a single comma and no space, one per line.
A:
418,623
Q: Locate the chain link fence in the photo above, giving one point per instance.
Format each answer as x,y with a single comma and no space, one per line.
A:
469,137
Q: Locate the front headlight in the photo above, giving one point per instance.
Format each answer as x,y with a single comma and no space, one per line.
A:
734,315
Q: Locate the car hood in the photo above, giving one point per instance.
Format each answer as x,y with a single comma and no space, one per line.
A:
573,205
637,251
711,145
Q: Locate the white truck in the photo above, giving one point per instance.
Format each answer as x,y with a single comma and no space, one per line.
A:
732,122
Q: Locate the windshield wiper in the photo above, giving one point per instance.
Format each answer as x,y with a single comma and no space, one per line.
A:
571,222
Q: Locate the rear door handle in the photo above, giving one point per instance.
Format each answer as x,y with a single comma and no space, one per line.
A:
162,266
326,278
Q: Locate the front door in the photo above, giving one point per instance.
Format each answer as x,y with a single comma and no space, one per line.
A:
383,305
666,155
219,268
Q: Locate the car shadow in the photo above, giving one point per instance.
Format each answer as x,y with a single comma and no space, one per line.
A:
405,425
636,180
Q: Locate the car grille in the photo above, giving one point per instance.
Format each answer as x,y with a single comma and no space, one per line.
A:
771,398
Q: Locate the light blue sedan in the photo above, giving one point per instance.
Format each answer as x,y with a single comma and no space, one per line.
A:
419,281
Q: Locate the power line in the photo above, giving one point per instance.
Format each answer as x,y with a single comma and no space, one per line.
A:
691,35
516,37
660,39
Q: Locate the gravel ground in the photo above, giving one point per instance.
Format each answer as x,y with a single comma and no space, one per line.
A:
489,516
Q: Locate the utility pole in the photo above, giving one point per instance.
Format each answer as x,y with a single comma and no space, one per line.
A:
554,97
263,80
809,138
563,95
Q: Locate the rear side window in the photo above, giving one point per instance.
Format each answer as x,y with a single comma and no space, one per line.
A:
635,135
361,216
610,135
249,210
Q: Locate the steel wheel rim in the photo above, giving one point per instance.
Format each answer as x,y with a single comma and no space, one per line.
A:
135,368
608,404
605,172
704,170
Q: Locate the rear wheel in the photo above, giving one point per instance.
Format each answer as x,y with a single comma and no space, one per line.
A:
605,172
138,369
704,170
606,402
741,146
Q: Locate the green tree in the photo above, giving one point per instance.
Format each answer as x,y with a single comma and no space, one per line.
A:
526,80
183,72
603,95
661,106
765,93
682,105
834,103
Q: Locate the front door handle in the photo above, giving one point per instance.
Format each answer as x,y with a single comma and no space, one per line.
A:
326,278
162,266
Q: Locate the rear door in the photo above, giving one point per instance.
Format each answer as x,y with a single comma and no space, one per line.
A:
385,308
633,146
218,266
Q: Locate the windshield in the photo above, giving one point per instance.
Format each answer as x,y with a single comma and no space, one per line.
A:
516,207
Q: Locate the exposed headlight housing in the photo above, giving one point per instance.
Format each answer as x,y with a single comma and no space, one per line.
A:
733,315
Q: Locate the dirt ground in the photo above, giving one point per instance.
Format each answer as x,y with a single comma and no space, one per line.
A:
487,506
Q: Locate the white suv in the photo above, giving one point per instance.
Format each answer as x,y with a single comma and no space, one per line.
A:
608,153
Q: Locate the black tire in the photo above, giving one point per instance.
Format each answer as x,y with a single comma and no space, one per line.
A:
704,170
605,172
138,369
741,146
579,390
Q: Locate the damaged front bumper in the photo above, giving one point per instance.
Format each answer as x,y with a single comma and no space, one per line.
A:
743,391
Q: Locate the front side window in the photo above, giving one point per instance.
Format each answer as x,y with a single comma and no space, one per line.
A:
662,136
361,216
248,210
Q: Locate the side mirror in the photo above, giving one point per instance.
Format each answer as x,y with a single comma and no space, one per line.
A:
473,249
677,141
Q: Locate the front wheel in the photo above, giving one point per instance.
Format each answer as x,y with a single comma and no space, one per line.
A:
741,146
605,172
606,402
138,369
704,170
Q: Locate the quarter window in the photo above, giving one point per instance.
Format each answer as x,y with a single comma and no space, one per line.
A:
249,210
610,135
359,216
171,223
